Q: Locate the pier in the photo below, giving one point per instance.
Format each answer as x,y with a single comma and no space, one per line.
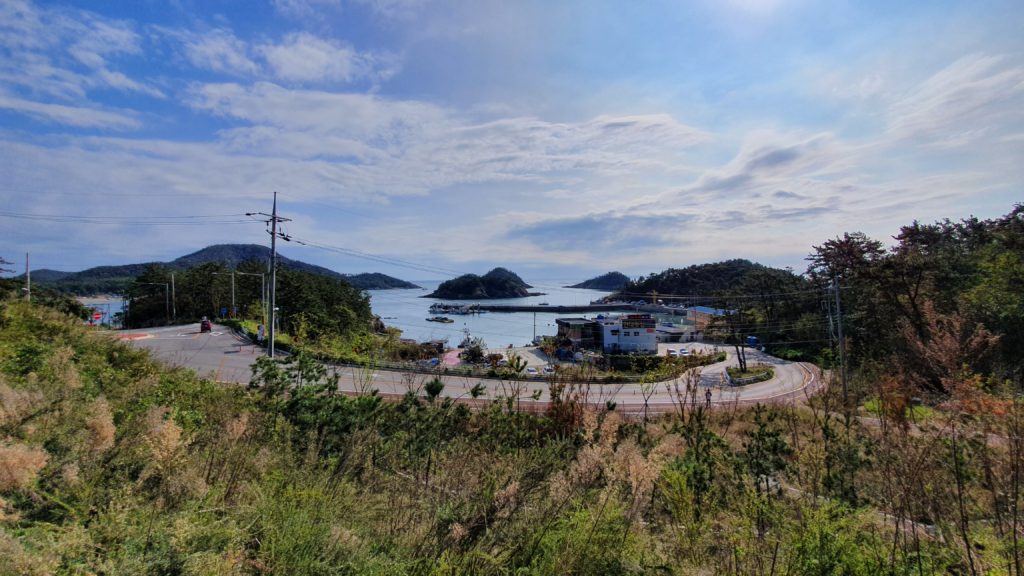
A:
557,309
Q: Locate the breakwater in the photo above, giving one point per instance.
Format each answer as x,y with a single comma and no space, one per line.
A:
556,309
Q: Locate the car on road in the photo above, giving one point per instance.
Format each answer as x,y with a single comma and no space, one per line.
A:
205,325
531,371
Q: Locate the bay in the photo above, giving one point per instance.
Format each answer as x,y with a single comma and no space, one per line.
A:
408,311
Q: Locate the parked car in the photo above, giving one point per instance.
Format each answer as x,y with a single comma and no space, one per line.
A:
684,352
548,370
531,371
205,325
672,353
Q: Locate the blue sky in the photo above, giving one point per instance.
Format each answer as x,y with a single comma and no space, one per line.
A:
559,139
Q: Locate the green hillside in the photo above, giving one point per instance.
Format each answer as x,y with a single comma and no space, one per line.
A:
115,279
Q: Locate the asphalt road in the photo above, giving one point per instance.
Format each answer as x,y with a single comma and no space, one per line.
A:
227,357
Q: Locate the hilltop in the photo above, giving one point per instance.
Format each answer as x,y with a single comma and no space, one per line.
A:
113,279
713,278
498,283
610,281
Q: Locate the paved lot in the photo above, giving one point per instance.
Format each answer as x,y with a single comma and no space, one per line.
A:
226,357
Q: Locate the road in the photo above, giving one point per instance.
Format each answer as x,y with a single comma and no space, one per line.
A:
227,357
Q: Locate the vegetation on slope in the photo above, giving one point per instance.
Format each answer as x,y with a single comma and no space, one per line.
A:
117,279
608,281
498,283
112,464
311,306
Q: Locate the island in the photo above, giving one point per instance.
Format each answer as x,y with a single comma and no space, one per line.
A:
498,283
610,282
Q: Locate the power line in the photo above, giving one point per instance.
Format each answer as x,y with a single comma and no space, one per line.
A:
186,220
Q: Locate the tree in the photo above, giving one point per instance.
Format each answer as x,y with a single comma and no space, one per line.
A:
3,263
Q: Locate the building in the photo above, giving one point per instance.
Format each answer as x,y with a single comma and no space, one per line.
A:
677,332
581,332
701,316
629,333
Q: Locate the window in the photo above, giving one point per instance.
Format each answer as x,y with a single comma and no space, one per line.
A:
637,333
615,332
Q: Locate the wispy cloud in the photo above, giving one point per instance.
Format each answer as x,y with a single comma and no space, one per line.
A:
218,50
968,100
70,115
303,57
65,53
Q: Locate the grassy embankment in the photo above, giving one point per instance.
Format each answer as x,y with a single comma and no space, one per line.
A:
110,463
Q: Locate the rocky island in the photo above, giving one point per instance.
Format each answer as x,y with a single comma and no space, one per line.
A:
498,283
610,282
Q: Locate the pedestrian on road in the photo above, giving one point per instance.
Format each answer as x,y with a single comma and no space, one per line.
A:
259,333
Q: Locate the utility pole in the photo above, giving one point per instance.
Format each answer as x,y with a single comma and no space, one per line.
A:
28,279
174,299
273,221
842,342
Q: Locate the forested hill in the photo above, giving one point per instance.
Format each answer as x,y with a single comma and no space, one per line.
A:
498,283
609,281
114,279
718,278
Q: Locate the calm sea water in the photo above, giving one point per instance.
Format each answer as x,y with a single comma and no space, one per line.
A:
408,311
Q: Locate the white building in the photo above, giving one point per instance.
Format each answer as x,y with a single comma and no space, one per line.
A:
629,333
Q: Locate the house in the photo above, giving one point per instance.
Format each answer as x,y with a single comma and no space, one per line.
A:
581,332
629,333
701,316
677,332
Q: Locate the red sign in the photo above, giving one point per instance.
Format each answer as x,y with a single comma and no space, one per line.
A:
97,315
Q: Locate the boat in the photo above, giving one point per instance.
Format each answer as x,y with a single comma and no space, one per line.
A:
441,319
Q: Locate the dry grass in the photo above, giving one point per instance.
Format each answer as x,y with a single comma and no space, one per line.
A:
100,426
20,465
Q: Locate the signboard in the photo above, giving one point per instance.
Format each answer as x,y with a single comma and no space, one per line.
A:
97,315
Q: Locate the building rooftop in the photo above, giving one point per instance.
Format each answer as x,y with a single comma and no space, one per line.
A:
574,321
712,311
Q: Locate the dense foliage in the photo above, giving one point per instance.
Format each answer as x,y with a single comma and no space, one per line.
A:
607,281
310,306
944,296
498,283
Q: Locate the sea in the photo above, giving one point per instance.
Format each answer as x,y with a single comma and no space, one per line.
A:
408,311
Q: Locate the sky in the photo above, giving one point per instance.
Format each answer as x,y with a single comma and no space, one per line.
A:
560,139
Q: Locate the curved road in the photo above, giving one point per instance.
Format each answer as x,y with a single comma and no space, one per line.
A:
227,357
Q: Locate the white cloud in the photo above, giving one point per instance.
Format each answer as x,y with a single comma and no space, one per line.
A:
970,99
220,51
70,115
65,53
301,9
302,57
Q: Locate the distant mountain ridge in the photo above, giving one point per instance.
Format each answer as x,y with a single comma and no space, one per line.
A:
110,279
610,282
498,283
